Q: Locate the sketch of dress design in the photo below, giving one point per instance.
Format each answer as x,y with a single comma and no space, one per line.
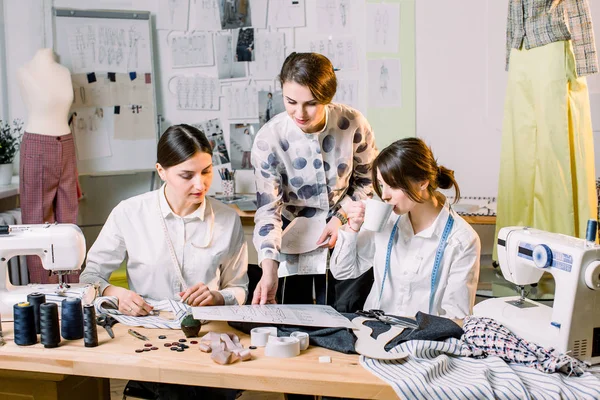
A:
132,57
173,6
197,92
383,79
343,12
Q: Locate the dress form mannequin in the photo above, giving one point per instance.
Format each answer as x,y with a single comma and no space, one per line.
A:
48,94
48,165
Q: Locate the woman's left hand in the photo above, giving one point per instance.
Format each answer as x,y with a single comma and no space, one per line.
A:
200,295
331,232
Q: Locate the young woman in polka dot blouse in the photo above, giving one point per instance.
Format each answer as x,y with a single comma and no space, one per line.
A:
308,161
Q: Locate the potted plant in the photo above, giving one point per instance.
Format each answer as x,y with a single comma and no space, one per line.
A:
10,139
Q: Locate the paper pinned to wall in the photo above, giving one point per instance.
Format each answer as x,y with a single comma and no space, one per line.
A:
335,16
385,83
132,123
91,133
259,13
191,49
347,93
311,263
173,14
91,90
242,102
269,55
227,68
292,314
341,50
197,92
82,46
300,234
287,13
383,27
204,15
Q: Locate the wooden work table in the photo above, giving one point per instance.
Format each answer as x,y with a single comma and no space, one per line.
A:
117,359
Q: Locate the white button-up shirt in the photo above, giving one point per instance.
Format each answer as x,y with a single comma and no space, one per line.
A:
209,246
408,283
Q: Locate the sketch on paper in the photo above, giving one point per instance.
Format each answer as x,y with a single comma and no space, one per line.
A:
234,13
134,122
269,105
313,262
91,133
241,138
111,50
133,54
197,92
206,16
227,68
333,16
191,49
82,47
287,314
347,92
383,27
244,40
173,14
385,83
269,55
340,50
286,13
214,133
242,102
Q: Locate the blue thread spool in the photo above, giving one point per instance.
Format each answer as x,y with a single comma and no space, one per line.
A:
591,231
24,324
72,319
36,299
50,332
90,332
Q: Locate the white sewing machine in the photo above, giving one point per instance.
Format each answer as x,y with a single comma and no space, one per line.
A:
61,248
573,323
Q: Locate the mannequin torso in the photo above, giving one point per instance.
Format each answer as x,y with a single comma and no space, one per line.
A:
47,91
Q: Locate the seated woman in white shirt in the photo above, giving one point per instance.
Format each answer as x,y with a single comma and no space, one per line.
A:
422,225
178,243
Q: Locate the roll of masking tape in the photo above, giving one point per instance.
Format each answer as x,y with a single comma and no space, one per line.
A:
282,347
302,337
260,336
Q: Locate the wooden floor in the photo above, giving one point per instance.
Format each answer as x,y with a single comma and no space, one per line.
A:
117,386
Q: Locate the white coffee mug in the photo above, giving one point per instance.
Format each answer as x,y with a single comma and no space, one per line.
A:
376,215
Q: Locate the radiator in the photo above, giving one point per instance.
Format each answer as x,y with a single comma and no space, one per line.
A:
17,266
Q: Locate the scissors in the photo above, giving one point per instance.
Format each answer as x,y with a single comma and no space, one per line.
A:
379,315
106,321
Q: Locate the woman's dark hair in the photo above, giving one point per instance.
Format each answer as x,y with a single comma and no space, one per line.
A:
312,70
408,161
179,143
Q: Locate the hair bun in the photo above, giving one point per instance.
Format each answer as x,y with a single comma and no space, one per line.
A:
445,177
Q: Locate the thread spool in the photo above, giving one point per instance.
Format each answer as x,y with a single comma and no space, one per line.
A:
50,332
90,332
591,231
36,299
24,324
72,319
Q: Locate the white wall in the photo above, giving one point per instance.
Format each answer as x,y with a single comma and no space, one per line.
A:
461,84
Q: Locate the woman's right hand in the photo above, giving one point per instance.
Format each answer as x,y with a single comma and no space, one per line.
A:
355,212
130,303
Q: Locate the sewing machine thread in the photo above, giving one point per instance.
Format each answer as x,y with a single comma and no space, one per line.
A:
72,319
24,324
90,332
49,330
35,299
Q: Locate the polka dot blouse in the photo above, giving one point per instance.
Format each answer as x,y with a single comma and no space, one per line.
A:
302,174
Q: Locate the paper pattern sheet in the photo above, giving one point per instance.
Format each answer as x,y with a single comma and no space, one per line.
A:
385,83
287,13
340,50
191,49
108,89
91,133
300,234
205,15
227,68
173,14
383,27
242,102
197,92
295,314
334,16
134,122
269,55
347,93
311,263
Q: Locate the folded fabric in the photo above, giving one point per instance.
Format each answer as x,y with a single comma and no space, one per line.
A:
341,339
486,336
86,293
440,370
110,305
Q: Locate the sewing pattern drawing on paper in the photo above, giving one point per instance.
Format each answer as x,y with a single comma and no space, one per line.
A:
341,51
242,101
269,55
82,46
197,92
191,49
385,82
173,14
287,13
383,27
333,16
347,92
206,15
227,68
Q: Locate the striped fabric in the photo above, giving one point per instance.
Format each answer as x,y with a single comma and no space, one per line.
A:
47,190
535,23
439,370
110,305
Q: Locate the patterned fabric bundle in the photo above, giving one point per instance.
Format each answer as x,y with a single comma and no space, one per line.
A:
486,337
110,305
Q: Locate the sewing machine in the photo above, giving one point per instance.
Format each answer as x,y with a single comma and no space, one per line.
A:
573,323
61,248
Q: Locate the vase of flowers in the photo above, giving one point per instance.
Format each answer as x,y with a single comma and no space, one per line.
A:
10,139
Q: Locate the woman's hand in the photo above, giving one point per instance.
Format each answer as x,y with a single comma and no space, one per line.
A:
130,303
200,295
356,214
266,289
331,232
